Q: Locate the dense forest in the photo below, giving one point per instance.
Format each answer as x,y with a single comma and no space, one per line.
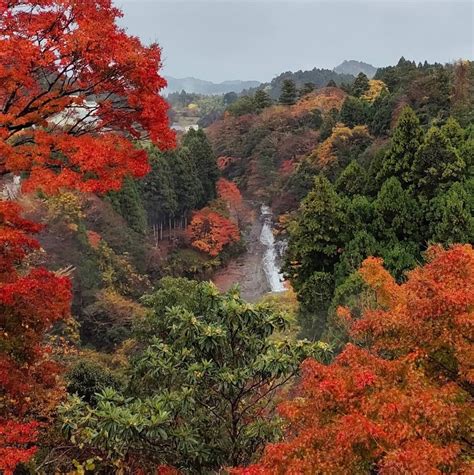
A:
118,353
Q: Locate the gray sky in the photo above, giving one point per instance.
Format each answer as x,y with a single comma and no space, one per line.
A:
225,39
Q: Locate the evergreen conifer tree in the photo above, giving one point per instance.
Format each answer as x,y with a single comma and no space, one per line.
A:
288,92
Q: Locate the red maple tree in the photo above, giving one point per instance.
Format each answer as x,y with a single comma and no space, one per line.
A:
210,232
229,192
75,90
399,402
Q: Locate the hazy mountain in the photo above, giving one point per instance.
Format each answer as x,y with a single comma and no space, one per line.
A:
355,67
201,86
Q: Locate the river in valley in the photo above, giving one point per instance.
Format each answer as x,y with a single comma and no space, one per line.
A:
257,271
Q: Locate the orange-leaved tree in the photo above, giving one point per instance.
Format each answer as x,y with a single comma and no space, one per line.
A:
75,90
229,192
210,232
399,401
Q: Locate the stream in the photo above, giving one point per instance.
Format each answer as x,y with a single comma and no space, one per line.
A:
271,255
257,271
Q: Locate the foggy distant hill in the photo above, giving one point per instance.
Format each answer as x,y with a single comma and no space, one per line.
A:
355,67
201,86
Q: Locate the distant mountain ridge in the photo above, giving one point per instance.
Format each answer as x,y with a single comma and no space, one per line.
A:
354,67
318,77
200,86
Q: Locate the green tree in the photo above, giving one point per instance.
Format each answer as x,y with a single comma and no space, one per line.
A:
88,378
437,163
331,83
362,245
352,181
382,110
230,98
308,88
128,203
360,85
315,238
262,99
315,235
158,187
204,162
354,112
242,106
329,122
201,391
452,215
396,212
288,92
454,133
407,138
187,186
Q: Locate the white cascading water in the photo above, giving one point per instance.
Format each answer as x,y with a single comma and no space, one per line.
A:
270,266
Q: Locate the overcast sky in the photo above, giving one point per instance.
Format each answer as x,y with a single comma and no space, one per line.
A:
225,39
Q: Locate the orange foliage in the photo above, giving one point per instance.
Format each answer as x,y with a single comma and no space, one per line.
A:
225,162
401,404
287,167
30,302
94,239
210,232
323,99
432,312
341,136
74,89
67,69
228,191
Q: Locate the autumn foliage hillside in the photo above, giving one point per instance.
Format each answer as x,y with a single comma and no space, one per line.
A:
261,144
397,399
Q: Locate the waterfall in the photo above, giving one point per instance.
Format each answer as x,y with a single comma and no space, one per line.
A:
270,266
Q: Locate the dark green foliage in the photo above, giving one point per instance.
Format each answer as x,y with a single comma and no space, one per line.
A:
362,244
187,186
314,296
230,98
302,180
452,215
315,235
397,76
190,263
316,119
353,180
204,162
393,201
288,93
262,99
406,140
381,113
242,106
354,112
200,393
318,77
395,211
128,203
360,85
437,163
331,83
87,379
158,187
307,88
329,122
